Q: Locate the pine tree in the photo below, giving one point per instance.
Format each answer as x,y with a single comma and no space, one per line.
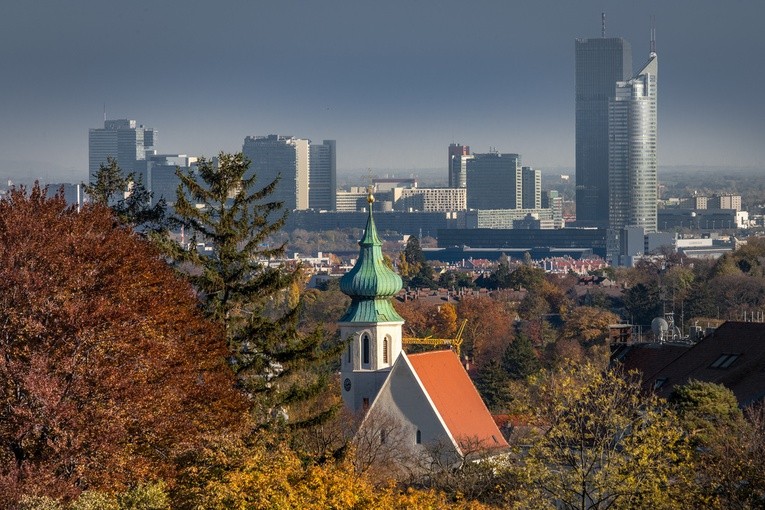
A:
492,384
127,196
279,368
417,272
519,359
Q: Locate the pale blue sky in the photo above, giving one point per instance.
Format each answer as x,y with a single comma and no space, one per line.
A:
394,82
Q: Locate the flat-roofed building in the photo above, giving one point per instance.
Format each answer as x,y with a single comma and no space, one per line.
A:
322,181
494,181
286,158
429,199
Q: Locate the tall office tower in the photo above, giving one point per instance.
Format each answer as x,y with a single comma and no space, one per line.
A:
494,181
600,63
322,182
632,166
123,140
458,165
552,200
284,157
532,188
160,175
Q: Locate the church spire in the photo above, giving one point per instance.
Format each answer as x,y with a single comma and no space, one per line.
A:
371,283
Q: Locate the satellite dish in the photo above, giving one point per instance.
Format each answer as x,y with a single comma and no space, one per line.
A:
659,327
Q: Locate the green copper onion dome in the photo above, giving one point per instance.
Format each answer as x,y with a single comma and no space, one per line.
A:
370,283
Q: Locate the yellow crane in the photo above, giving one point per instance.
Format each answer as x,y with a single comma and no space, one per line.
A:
455,343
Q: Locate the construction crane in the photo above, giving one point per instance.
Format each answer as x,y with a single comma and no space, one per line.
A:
455,343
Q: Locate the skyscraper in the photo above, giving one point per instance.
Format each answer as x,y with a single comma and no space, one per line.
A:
458,156
322,177
284,157
532,188
494,181
124,141
632,164
600,63
161,179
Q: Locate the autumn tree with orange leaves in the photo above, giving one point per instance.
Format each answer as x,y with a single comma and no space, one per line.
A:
108,371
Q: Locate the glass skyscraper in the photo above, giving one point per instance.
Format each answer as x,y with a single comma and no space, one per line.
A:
600,63
632,166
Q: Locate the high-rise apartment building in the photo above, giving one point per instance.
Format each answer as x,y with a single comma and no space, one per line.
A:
283,157
494,181
124,141
632,163
458,156
322,180
600,63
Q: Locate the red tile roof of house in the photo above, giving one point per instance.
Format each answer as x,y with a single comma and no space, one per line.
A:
457,400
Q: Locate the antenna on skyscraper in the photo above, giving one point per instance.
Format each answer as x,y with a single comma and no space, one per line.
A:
653,35
603,25
104,112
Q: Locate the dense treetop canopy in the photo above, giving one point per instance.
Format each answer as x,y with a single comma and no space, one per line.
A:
107,368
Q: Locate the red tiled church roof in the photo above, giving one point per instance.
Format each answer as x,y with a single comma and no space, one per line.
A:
456,399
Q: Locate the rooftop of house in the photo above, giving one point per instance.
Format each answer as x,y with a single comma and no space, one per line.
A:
733,355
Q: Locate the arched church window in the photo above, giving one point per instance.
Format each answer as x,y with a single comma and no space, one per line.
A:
350,346
365,349
385,350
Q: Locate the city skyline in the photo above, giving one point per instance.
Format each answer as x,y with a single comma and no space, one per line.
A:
414,76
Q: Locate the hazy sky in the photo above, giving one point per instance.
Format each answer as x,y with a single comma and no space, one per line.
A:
394,82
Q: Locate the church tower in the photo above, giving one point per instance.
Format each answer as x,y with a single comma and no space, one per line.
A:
371,323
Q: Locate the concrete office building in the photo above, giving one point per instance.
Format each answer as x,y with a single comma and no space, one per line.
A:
504,218
124,141
161,179
552,200
695,202
532,188
283,157
600,63
494,181
387,184
353,200
322,176
458,157
429,199
725,202
632,163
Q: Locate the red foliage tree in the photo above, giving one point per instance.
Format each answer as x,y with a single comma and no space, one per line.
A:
107,369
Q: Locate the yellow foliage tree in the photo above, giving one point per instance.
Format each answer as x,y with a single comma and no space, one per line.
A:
604,444
231,474
446,320
588,324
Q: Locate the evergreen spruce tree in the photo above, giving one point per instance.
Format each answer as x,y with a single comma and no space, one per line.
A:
418,272
492,384
277,366
127,196
519,359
